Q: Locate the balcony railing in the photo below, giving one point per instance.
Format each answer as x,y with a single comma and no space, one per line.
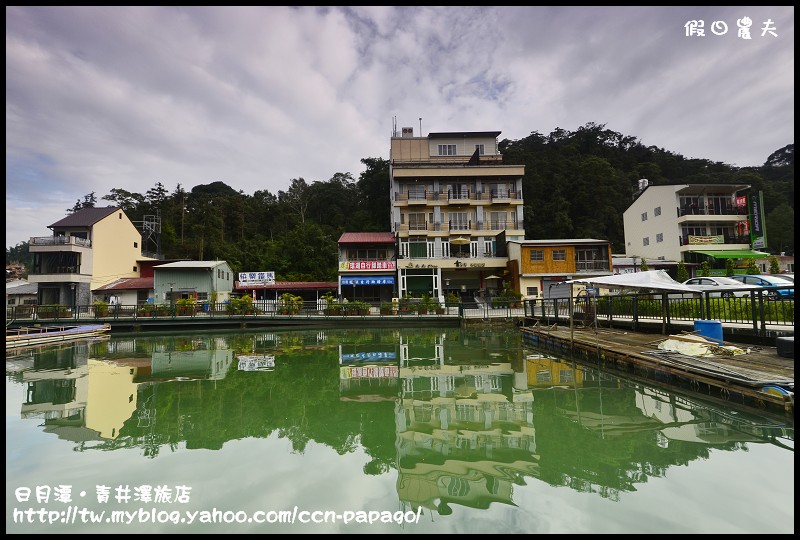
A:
592,266
60,241
726,239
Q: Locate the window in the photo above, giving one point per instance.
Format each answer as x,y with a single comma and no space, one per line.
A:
447,149
646,241
657,211
134,269
458,221
416,221
537,255
559,254
497,221
644,216
416,191
479,148
533,291
418,249
136,244
202,296
659,237
12,301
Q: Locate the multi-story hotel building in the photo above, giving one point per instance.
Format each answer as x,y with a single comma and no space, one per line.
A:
452,197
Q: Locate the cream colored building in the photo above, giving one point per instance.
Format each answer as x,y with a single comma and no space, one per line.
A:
88,248
452,197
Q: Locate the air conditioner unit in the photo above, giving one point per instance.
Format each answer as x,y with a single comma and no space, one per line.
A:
408,132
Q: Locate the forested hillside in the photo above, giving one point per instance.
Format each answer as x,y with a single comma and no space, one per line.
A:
577,184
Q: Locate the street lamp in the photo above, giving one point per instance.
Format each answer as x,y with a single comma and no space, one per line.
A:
171,297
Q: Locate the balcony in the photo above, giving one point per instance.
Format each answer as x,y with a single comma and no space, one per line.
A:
60,241
592,266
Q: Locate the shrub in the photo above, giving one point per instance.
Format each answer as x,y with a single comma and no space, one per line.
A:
289,304
100,308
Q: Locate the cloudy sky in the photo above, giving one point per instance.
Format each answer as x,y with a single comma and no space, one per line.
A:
124,97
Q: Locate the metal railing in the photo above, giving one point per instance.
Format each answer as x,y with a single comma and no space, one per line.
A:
758,310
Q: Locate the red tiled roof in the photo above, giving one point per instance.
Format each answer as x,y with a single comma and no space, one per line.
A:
367,238
128,284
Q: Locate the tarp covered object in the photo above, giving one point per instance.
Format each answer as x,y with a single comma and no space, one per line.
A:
657,280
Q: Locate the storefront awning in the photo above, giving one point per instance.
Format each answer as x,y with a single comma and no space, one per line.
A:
733,253
368,280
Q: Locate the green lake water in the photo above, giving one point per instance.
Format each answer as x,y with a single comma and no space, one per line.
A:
417,430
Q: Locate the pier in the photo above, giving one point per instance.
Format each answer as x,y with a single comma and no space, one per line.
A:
760,378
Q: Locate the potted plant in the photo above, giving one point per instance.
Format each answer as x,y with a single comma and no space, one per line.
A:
185,306
100,309
386,308
289,304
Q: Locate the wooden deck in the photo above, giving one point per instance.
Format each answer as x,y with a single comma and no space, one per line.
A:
744,378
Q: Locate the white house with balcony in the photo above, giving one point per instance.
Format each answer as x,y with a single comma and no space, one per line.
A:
690,223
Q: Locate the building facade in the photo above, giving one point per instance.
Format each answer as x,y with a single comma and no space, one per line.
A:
202,281
451,196
539,268
692,223
367,266
88,248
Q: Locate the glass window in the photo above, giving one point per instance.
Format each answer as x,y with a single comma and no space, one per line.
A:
659,237
447,149
559,254
644,216
458,221
479,148
416,221
537,255
646,241
657,211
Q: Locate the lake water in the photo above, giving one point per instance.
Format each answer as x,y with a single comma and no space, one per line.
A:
419,430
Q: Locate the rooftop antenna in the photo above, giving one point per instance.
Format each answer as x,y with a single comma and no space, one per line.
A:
420,127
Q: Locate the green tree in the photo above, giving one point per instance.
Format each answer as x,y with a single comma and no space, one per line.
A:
644,266
88,201
683,274
774,267
780,228
752,267
729,267
705,268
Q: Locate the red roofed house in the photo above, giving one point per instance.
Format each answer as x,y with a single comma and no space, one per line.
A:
368,266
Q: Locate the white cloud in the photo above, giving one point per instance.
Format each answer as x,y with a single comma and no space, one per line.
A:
123,97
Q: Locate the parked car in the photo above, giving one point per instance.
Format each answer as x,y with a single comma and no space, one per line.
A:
769,280
718,286
790,277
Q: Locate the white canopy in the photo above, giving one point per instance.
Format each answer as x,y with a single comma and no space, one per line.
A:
657,280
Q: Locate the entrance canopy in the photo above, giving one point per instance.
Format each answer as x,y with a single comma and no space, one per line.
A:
657,280
733,253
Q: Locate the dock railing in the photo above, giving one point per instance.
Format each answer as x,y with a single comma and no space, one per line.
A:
757,310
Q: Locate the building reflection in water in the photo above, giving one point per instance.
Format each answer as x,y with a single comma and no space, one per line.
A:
463,417
465,434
